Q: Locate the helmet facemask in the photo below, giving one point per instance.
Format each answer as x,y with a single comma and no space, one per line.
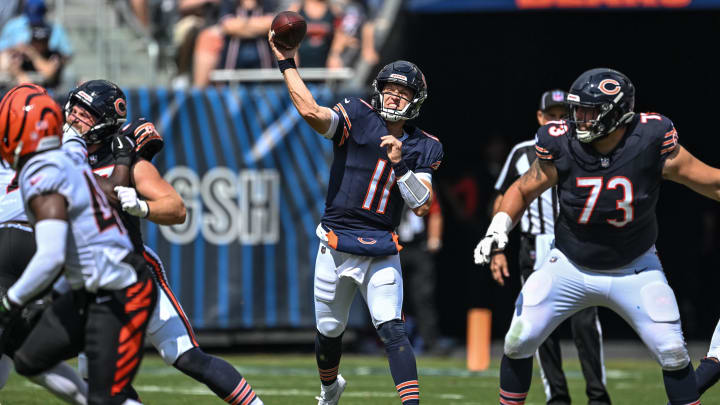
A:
97,130
105,102
607,119
410,111
404,74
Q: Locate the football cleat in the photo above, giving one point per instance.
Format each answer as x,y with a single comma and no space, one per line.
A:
330,394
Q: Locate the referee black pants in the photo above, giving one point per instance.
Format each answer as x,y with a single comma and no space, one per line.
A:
586,335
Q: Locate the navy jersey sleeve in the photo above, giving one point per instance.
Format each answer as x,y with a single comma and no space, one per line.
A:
667,139
547,139
658,136
352,112
431,156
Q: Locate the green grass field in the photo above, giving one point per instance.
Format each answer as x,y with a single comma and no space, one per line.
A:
292,380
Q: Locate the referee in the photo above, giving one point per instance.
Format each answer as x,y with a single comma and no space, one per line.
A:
537,234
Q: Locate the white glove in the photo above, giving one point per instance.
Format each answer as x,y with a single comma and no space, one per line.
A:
131,203
495,239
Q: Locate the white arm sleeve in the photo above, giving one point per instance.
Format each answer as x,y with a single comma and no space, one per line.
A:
334,121
413,191
46,263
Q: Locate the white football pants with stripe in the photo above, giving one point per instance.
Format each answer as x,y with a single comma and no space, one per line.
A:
715,343
638,292
339,275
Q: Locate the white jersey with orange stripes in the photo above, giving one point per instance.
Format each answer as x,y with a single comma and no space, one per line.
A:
98,241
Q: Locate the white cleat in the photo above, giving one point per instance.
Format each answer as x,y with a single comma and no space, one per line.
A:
330,394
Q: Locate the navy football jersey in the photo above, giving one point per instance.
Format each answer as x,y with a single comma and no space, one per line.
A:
607,202
362,194
102,163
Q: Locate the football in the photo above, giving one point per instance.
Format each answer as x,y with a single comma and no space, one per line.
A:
289,29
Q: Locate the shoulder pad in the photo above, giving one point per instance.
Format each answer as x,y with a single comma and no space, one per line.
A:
658,131
547,137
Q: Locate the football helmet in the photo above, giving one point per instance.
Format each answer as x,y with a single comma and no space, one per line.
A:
105,101
607,91
30,121
408,75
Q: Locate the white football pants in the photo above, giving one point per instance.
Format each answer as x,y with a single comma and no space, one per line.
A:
638,292
715,343
338,275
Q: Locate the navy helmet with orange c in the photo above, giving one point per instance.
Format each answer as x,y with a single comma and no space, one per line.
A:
406,74
105,101
609,92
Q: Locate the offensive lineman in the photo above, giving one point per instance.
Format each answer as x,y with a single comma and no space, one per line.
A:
607,162
106,311
374,150
536,236
95,111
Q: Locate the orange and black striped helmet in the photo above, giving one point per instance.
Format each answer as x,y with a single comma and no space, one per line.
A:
30,121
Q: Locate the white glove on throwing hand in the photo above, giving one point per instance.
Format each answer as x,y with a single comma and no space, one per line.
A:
131,203
495,239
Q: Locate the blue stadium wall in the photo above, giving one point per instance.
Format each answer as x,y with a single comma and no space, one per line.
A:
253,176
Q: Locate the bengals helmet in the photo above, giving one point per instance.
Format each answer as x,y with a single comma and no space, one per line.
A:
30,122
408,75
608,91
105,101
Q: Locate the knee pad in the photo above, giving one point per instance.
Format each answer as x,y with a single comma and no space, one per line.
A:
659,301
392,332
517,343
330,327
673,356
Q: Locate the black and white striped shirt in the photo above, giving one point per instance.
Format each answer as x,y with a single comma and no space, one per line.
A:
540,216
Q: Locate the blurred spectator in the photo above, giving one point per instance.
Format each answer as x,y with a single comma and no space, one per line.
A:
142,11
355,35
239,41
8,10
30,44
315,48
421,239
194,16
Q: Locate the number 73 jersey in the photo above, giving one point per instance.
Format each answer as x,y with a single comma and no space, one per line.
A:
607,202
97,241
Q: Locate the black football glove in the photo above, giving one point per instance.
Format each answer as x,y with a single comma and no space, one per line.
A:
8,311
148,141
123,150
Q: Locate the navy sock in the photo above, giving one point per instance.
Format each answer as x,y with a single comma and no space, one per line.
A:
707,374
680,386
515,378
327,354
217,374
402,361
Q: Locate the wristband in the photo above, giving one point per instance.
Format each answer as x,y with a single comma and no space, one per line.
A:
285,64
400,168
